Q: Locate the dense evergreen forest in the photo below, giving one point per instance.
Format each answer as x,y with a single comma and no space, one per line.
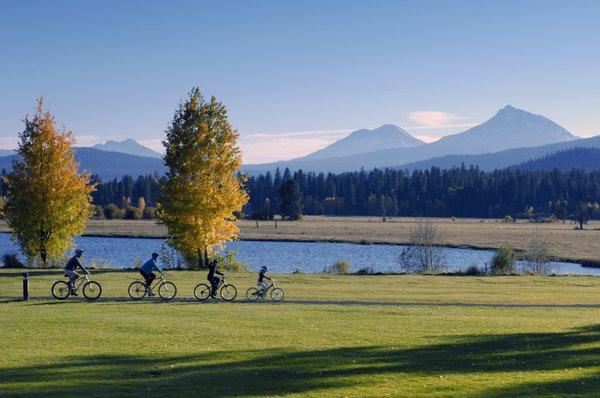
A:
460,192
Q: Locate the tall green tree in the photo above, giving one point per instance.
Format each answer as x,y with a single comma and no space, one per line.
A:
48,200
201,191
290,200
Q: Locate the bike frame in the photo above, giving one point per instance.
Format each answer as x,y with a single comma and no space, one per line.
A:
159,281
79,282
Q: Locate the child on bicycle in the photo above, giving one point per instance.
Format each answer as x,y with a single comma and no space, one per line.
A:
146,271
214,281
262,285
71,267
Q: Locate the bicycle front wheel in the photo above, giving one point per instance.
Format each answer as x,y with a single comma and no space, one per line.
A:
228,292
60,290
92,290
277,294
167,290
252,294
137,290
202,292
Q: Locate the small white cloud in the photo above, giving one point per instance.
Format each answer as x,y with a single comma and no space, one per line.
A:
437,120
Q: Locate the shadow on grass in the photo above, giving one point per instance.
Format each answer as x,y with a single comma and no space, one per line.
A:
277,372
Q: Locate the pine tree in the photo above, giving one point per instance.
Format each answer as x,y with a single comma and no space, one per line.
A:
290,200
48,201
201,191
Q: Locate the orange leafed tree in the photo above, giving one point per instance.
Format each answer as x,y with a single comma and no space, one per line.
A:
202,190
48,200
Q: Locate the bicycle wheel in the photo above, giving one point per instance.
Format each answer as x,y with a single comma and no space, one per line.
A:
167,290
252,294
137,290
60,290
277,294
92,290
202,292
228,292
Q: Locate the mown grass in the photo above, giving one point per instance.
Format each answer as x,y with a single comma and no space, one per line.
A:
333,336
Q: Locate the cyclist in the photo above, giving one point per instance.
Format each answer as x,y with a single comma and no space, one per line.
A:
262,285
214,281
71,267
146,271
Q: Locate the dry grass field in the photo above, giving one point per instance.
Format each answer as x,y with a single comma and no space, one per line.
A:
563,240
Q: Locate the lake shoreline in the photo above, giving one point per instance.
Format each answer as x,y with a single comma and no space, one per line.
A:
582,262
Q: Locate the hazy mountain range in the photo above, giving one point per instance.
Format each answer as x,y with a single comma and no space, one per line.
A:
361,141
509,138
128,146
586,159
509,128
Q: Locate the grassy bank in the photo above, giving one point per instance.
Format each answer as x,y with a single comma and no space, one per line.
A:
564,241
333,336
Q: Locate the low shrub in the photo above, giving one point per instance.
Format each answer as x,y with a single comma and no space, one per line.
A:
338,268
504,261
507,219
365,271
297,271
10,260
149,213
112,211
230,263
133,213
473,270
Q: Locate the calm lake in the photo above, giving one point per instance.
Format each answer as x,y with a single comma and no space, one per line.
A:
285,257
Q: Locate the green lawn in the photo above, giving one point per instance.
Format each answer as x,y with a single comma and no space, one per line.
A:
332,336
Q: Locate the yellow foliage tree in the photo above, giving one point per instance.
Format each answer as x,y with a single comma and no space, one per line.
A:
202,191
48,201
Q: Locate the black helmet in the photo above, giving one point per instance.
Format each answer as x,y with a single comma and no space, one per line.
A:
154,254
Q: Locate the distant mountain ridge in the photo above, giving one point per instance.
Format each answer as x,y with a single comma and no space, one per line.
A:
128,146
503,159
6,152
579,158
107,165
360,141
509,128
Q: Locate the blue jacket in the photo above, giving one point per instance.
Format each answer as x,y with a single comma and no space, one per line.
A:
150,266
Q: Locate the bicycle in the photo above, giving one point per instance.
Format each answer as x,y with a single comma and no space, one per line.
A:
166,290
91,289
255,294
225,290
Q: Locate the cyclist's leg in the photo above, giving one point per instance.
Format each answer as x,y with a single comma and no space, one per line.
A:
73,276
216,282
151,278
145,278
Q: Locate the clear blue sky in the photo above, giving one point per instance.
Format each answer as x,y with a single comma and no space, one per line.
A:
296,75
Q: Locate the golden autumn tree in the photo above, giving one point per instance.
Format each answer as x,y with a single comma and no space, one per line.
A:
202,191
48,201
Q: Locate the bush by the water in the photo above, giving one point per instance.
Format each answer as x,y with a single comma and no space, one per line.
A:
10,260
230,263
339,268
473,270
504,261
423,253
365,271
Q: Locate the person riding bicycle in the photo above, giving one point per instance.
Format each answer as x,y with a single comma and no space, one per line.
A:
262,285
71,267
214,281
146,271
